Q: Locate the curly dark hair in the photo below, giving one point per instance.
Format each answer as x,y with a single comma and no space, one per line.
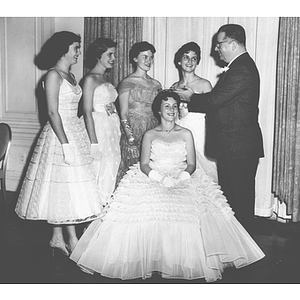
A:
55,48
163,95
137,48
96,49
186,48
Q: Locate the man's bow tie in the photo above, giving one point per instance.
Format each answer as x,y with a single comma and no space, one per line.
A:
225,69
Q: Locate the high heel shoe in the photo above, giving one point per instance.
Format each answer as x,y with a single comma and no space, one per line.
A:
61,248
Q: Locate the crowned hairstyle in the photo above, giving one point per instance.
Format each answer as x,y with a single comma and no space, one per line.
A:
55,48
96,49
163,96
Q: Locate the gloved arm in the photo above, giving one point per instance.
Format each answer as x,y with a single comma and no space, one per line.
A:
155,176
164,180
95,151
128,132
68,154
133,147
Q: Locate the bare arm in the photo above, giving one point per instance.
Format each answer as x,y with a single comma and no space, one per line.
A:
207,87
52,85
89,86
145,152
191,155
124,101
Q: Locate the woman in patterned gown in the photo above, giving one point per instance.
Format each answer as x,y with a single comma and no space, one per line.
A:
60,185
136,94
100,115
166,216
186,60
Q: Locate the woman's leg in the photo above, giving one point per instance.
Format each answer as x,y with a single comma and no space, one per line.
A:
57,240
72,237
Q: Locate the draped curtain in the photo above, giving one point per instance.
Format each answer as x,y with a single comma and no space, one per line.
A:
169,33
125,31
286,170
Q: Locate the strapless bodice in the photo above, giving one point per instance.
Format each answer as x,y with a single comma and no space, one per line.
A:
104,94
69,96
168,158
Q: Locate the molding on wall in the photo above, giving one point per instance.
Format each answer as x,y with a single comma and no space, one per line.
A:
21,39
21,114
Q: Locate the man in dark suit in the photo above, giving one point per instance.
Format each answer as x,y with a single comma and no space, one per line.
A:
233,134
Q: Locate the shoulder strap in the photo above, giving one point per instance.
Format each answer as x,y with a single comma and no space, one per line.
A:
57,72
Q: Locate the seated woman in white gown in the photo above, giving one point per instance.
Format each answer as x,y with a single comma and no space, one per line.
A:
186,60
166,216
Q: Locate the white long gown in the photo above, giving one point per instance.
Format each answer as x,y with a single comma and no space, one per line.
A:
52,190
195,122
107,128
188,231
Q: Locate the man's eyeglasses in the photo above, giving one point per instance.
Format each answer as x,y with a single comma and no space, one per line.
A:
218,44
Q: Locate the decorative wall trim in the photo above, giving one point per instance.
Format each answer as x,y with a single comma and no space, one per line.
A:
19,105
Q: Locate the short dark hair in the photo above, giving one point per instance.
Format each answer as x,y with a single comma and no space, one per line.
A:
234,31
96,49
55,48
137,48
186,48
163,95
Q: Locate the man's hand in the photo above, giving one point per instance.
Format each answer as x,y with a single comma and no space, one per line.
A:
185,93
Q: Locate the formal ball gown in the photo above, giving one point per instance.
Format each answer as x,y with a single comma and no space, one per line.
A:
140,117
107,127
195,122
52,190
188,231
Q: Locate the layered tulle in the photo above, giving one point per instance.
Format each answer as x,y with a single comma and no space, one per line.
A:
53,190
188,231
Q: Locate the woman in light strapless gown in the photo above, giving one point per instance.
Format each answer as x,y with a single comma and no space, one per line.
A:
166,216
60,184
100,115
186,60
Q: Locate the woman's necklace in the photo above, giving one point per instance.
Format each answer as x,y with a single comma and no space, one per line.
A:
168,130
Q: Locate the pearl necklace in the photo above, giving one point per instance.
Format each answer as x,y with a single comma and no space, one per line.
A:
168,131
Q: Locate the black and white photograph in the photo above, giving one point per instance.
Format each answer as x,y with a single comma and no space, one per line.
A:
150,145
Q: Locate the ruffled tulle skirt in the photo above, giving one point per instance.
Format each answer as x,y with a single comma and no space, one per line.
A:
188,231
57,192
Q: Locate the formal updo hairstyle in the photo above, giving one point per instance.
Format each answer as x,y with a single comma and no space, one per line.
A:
186,48
163,96
54,48
96,49
137,48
